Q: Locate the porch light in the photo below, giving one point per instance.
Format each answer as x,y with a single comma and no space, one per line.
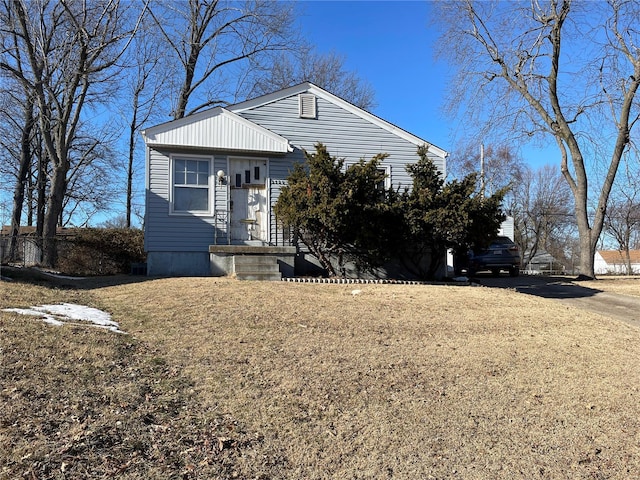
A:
220,176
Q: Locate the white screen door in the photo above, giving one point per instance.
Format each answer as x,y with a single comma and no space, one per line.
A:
248,199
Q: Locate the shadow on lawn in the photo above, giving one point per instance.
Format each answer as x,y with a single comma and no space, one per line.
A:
540,286
37,276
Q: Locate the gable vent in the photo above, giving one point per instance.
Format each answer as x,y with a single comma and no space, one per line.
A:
307,104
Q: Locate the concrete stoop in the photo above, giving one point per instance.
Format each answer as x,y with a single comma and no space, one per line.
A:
256,267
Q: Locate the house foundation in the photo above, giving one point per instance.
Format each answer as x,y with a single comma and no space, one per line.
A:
222,259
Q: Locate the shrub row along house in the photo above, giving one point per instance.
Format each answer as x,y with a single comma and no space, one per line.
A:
214,177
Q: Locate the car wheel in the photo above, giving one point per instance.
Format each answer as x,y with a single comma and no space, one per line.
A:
495,272
514,271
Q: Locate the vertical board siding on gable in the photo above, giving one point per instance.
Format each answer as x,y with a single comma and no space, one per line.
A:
198,132
345,135
171,233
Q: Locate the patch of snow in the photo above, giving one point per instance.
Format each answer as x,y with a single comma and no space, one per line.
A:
50,319
69,313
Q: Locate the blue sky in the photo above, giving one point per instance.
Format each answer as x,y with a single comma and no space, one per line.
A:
390,45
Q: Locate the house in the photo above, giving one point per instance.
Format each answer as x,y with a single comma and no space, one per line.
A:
213,177
614,262
507,228
543,263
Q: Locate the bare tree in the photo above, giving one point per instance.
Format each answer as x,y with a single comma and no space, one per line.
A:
65,50
215,44
326,71
18,131
541,207
498,168
622,220
561,69
91,183
144,84
19,125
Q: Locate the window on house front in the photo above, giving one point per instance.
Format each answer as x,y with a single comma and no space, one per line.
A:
190,185
385,183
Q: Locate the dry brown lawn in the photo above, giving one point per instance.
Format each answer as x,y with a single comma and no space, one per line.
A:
621,285
225,379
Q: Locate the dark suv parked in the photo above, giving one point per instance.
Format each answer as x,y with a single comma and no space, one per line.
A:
501,254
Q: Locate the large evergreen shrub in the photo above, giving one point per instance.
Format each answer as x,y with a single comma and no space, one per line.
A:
344,213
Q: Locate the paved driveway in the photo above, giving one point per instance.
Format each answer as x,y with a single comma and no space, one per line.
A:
622,307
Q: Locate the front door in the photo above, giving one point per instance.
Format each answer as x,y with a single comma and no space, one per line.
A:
248,199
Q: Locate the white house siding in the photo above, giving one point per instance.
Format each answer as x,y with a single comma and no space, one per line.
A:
507,228
217,129
615,263
345,135
220,201
600,267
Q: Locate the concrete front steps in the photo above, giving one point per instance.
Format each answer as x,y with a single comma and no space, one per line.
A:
256,267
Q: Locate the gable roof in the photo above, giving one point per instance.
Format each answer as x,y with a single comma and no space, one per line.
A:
216,129
617,257
308,87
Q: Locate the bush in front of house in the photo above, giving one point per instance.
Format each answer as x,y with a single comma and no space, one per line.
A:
346,214
437,216
100,251
340,213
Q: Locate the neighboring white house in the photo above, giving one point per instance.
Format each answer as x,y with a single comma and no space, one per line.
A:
507,229
614,262
213,177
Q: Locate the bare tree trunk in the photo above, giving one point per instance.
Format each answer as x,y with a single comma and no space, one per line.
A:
627,260
133,127
54,210
21,180
588,236
41,186
30,198
526,60
94,43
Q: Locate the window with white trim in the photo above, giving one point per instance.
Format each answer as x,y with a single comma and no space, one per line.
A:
386,182
190,185
383,184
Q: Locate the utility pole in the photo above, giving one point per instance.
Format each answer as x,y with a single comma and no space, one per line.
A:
482,170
